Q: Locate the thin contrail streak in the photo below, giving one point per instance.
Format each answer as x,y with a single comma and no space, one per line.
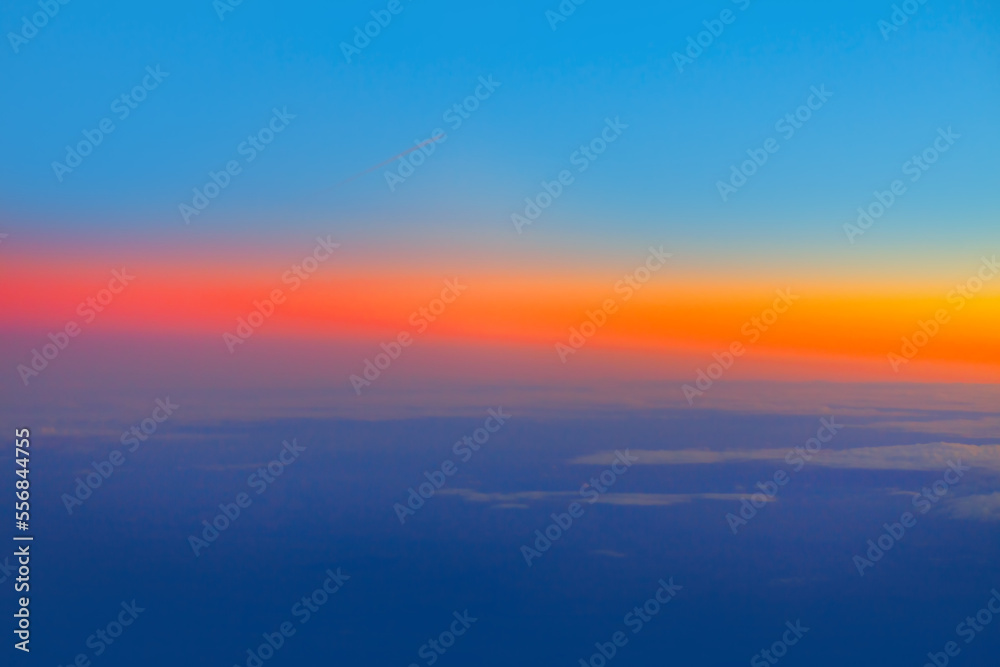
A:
390,160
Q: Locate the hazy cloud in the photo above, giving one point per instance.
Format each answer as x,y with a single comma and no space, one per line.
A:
896,457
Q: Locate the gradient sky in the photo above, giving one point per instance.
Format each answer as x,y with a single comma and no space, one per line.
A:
923,269
655,185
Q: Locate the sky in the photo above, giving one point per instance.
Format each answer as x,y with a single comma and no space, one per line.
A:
211,77
684,236
537,158
222,79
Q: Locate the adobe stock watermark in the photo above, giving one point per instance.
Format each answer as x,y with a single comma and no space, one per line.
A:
630,283
6,570
922,501
968,630
779,649
294,277
699,42
59,340
303,611
796,459
753,329
455,116
562,12
787,125
900,16
432,651
32,23
635,621
104,469
259,482
591,492
105,637
421,319
122,107
957,298
253,146
363,36
464,449
915,168
223,7
581,158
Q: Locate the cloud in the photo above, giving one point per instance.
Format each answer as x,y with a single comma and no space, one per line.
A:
518,498
683,456
514,498
980,426
933,456
225,467
975,508
663,499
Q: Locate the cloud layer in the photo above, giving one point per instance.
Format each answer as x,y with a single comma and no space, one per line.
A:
933,456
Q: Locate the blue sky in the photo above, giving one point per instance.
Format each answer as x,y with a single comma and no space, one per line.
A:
557,86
